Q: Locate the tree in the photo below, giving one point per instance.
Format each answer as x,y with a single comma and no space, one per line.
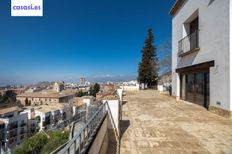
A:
148,67
165,64
1,98
94,89
33,145
11,95
91,91
40,143
57,139
26,102
81,93
8,97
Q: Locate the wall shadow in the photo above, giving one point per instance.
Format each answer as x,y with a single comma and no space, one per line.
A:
124,124
124,102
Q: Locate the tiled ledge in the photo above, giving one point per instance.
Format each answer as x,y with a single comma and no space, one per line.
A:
221,112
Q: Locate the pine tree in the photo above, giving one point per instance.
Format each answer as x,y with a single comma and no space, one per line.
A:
148,67
26,102
96,88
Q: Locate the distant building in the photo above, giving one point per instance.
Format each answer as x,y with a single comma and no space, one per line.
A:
58,86
34,89
13,127
130,85
82,81
47,97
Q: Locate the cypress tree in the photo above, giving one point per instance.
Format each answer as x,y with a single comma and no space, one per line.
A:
148,67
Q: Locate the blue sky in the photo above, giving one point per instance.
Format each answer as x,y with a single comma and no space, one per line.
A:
91,38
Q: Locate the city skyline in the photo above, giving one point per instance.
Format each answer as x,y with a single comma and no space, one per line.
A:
98,40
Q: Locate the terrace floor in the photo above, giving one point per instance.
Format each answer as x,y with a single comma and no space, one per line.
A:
156,123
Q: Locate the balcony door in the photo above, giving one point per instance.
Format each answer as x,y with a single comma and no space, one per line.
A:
195,83
200,89
190,87
194,25
196,88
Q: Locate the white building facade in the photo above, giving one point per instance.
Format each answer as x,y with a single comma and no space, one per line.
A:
201,53
13,128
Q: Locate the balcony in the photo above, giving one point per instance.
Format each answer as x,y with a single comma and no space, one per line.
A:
101,128
189,44
23,124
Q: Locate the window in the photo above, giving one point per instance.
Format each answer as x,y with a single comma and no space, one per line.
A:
190,42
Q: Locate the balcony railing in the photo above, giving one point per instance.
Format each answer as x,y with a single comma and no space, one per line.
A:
79,143
189,44
23,124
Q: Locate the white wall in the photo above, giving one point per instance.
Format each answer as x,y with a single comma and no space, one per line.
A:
114,110
214,42
230,57
120,93
160,88
131,88
88,101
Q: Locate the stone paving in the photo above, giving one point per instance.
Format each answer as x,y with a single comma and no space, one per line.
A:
155,123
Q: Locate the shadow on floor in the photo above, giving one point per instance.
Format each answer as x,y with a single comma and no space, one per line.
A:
124,102
124,124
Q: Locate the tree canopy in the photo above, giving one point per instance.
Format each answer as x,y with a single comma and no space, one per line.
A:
94,89
148,67
81,93
40,143
8,97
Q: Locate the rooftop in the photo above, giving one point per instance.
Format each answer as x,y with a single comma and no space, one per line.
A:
47,94
50,107
8,109
110,97
88,97
156,123
78,101
109,94
176,7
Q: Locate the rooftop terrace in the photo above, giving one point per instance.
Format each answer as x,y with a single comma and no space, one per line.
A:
155,123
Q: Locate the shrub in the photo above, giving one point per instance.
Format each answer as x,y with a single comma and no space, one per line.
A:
41,143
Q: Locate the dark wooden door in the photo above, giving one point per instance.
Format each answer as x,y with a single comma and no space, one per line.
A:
197,88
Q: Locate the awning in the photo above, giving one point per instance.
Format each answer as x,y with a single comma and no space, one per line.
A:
196,67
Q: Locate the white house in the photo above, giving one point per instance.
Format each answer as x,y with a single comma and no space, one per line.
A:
49,116
201,53
13,127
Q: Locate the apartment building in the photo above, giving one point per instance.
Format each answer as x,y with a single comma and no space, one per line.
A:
13,127
49,116
201,53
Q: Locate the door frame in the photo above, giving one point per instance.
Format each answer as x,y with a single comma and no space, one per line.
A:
200,67
205,71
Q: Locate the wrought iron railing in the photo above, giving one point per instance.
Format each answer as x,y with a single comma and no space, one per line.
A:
189,43
80,142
